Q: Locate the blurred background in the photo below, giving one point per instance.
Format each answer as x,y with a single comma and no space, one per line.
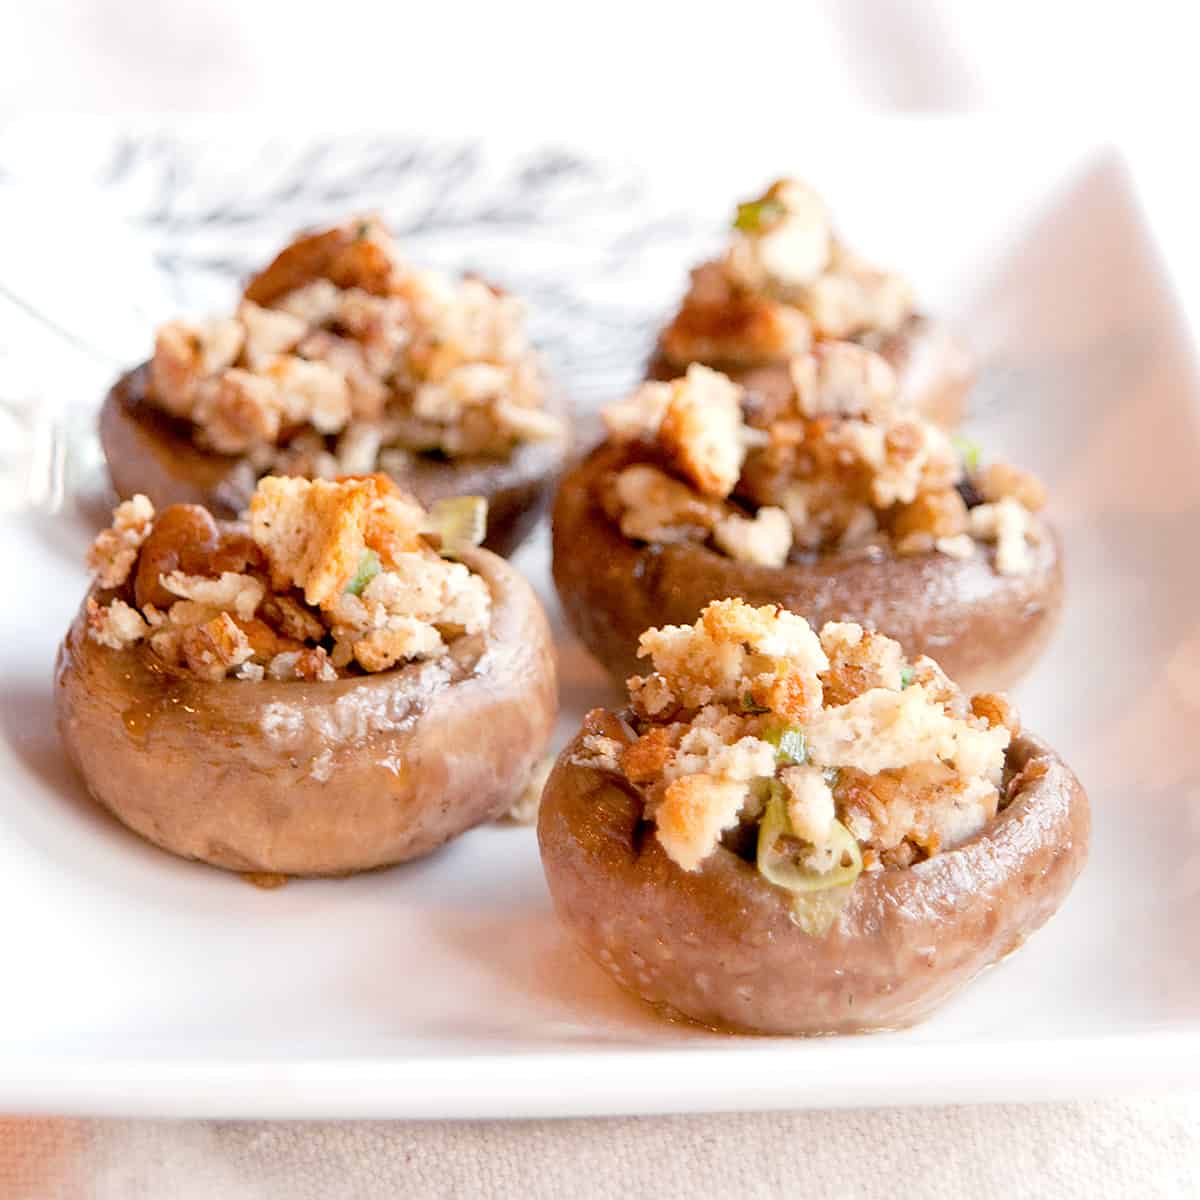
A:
698,72
662,81
188,122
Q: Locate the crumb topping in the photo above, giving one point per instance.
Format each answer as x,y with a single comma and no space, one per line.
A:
340,354
836,464
702,430
784,279
114,551
852,741
327,579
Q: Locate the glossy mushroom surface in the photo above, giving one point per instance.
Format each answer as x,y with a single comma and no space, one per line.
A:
315,778
985,628
153,453
719,946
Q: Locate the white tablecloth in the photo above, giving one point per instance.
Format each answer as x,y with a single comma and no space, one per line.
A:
1123,1148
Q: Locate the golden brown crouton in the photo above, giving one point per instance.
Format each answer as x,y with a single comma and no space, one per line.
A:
694,811
652,506
646,758
313,532
791,693
859,660
356,253
240,410
702,430
735,327
997,709
939,514
394,520
402,638
1000,479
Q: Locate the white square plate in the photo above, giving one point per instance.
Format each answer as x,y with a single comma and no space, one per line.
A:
136,983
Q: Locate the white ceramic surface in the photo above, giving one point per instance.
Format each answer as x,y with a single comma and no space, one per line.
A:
134,983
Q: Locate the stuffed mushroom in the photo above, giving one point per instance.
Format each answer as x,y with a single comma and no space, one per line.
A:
798,833
834,500
342,682
785,282
343,359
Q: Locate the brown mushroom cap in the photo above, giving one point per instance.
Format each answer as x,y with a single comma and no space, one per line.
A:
314,778
933,368
153,453
718,945
984,628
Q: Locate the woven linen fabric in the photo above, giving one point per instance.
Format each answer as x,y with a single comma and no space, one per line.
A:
1147,1148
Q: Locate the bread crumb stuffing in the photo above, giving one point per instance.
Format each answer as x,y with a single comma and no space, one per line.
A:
338,331
333,576
781,241
640,414
883,750
958,546
695,810
843,379
115,624
313,532
240,594
839,461
115,550
1010,525
810,806
763,539
708,661
783,278
599,753
652,506
703,432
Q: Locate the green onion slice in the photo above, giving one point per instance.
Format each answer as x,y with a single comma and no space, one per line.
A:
789,743
817,897
756,216
459,522
968,451
906,677
368,568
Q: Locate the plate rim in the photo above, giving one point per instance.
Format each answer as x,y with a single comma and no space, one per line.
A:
529,1085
